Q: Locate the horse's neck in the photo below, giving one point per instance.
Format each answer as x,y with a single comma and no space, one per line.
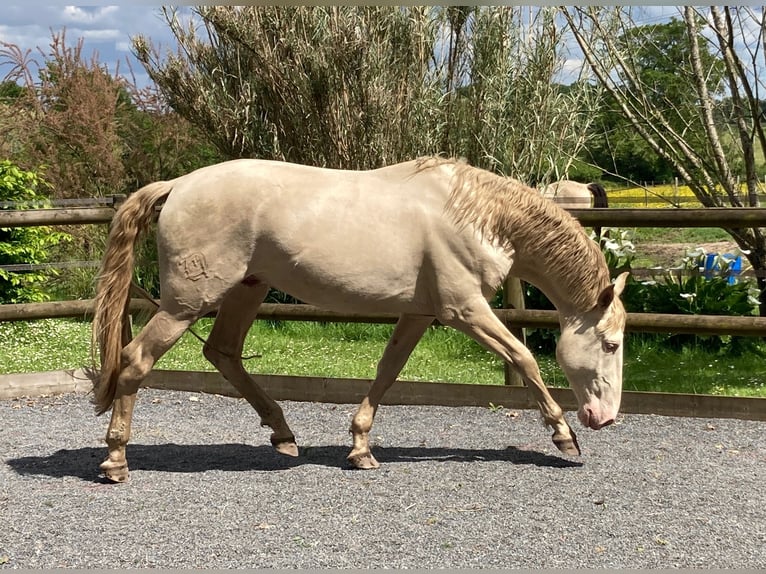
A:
570,277
546,245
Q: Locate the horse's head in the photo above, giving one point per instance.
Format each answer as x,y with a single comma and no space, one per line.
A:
590,353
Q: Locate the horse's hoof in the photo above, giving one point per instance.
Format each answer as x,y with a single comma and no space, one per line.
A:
286,446
567,445
115,471
363,461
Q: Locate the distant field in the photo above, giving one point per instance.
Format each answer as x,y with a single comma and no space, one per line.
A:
662,245
655,196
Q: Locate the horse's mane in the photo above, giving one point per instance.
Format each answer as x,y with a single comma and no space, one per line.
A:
507,212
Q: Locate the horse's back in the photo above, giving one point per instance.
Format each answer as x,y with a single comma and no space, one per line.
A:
568,194
253,198
329,237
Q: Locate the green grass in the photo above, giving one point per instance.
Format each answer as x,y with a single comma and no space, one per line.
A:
693,371
352,350
691,235
344,350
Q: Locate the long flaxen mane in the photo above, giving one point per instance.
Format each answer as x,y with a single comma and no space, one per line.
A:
506,211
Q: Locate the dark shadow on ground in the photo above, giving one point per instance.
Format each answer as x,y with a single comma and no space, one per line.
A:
83,462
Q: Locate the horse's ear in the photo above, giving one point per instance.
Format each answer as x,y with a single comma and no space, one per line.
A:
619,283
614,290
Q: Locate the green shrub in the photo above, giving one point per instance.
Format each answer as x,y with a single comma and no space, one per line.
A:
686,290
24,246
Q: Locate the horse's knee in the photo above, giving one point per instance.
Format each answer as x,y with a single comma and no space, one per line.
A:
526,364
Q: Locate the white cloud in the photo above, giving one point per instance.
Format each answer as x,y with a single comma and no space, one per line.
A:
103,35
570,71
87,15
26,37
105,29
123,46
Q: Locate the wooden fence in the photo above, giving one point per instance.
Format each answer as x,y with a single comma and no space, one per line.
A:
351,390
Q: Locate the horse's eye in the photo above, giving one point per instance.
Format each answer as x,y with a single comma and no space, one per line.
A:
610,347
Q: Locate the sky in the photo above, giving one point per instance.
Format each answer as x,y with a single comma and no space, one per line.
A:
107,30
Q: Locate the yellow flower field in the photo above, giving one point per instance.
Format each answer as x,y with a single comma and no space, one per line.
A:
655,196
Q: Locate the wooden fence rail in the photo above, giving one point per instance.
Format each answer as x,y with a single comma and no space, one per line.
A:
724,217
525,318
68,216
350,390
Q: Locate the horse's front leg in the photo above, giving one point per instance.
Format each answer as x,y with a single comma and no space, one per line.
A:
408,331
484,326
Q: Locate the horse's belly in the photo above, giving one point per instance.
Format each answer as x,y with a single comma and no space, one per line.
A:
335,280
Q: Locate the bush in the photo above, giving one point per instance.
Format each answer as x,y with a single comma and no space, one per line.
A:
24,246
689,290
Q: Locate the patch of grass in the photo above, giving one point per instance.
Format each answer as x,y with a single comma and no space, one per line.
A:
691,235
345,350
44,345
693,371
352,350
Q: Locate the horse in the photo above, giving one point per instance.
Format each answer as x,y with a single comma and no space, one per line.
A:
575,195
429,239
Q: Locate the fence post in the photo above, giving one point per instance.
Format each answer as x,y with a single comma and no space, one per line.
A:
118,199
513,298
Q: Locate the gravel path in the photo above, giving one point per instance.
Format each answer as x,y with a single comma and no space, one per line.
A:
459,487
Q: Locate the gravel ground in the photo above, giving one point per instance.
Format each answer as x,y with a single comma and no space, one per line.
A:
458,487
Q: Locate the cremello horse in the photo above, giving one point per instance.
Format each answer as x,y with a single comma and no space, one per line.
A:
427,239
575,195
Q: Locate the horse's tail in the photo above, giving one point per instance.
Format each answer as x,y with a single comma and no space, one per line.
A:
599,200
110,317
599,195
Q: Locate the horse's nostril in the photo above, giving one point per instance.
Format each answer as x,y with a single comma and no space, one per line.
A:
607,423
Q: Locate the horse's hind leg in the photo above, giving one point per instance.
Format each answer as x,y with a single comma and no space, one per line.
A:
224,349
408,331
138,358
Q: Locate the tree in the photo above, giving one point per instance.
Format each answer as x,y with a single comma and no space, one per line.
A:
72,111
682,128
360,87
157,144
97,133
659,55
